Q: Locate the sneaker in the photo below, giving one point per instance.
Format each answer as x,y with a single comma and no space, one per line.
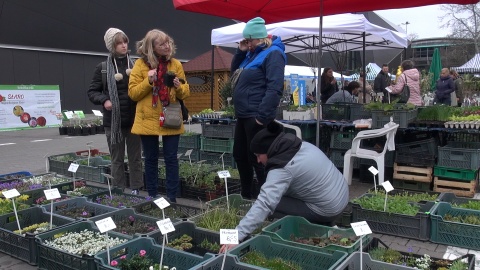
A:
135,192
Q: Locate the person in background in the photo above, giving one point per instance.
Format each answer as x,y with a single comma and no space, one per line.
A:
368,89
458,81
111,92
348,95
412,77
148,87
328,85
292,187
382,81
444,87
259,65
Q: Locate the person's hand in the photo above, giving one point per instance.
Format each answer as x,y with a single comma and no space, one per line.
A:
224,248
176,82
334,81
151,74
107,105
243,45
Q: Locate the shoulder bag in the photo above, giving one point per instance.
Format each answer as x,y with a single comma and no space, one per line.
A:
171,116
405,94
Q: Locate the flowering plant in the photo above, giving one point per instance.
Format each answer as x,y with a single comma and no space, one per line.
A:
6,205
43,200
19,185
46,179
131,226
77,212
36,228
120,200
138,261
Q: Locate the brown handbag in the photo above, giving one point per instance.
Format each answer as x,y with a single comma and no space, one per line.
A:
172,116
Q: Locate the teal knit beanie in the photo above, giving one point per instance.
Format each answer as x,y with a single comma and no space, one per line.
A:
255,28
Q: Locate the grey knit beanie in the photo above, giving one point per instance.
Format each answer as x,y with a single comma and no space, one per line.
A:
109,38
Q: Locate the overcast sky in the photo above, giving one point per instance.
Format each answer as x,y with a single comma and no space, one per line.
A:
423,21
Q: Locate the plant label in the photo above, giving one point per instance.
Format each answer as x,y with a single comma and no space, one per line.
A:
107,176
361,228
97,113
387,186
224,174
80,114
106,224
189,152
228,237
373,170
11,193
165,226
73,167
161,203
178,156
68,114
52,194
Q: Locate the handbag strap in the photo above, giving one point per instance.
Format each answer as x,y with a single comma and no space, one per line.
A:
405,79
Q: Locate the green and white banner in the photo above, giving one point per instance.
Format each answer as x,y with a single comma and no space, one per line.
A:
29,106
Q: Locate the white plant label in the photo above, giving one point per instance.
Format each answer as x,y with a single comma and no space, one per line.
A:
361,228
178,156
224,174
228,237
387,186
52,194
165,226
97,113
73,167
106,224
373,170
161,203
11,193
189,152
69,114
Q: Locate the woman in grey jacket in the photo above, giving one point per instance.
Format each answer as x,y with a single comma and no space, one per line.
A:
301,181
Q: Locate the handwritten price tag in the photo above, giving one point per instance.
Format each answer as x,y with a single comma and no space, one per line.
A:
223,174
97,113
361,228
228,236
106,224
189,152
69,114
11,193
161,203
373,170
165,226
52,194
387,186
73,167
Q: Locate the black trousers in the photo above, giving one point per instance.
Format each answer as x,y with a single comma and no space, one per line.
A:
245,130
296,207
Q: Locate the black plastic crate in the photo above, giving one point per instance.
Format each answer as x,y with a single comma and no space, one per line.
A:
419,159
336,111
91,209
189,141
218,130
130,215
203,194
175,211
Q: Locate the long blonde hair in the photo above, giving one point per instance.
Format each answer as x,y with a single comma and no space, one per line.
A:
145,47
266,41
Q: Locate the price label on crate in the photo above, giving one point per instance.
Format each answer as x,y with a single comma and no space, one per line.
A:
52,194
224,174
97,113
161,203
361,228
106,224
11,193
189,152
228,237
165,226
387,186
373,170
73,167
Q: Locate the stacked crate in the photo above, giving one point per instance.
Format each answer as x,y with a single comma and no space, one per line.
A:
217,140
457,168
340,143
189,147
414,163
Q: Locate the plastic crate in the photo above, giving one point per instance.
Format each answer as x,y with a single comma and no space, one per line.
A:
454,199
214,158
455,173
415,227
282,230
358,111
93,209
454,233
171,257
136,199
66,187
94,172
401,117
203,194
217,145
336,111
309,130
24,247
359,261
342,139
60,163
125,214
190,141
234,200
175,211
462,155
230,262
15,175
52,258
337,156
306,259
411,185
93,153
428,146
419,159
218,130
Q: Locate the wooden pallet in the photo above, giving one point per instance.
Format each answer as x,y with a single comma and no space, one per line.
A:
459,188
410,173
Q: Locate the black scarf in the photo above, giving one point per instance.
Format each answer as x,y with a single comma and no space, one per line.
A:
282,150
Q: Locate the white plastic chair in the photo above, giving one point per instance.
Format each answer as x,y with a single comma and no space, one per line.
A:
389,131
298,131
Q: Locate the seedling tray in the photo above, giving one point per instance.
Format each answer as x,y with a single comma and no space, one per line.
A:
175,211
93,209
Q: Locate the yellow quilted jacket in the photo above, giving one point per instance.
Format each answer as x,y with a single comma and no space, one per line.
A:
140,90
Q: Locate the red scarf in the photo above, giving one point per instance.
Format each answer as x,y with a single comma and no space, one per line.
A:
159,87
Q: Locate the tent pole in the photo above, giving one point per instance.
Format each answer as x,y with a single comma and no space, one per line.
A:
364,73
212,77
319,81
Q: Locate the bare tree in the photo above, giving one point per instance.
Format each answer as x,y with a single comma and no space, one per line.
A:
464,20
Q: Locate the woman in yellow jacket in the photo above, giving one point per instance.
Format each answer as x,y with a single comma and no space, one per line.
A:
147,86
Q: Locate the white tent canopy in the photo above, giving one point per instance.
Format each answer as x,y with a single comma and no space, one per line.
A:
301,35
472,66
307,72
372,71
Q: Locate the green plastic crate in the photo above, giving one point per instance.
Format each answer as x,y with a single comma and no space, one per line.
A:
135,199
307,259
281,231
218,130
342,139
190,141
453,199
337,156
24,247
455,173
217,145
462,155
94,172
176,212
411,185
94,209
401,117
66,187
127,213
60,163
340,111
352,262
234,200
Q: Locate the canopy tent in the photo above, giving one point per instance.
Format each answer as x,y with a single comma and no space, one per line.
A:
300,35
372,71
307,72
472,66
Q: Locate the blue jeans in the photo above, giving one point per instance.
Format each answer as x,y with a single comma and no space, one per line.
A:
150,151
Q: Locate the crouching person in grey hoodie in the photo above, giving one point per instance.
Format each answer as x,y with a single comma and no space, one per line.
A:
301,181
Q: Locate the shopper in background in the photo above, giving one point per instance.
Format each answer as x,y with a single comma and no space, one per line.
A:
328,85
382,81
458,81
411,76
149,88
111,91
444,87
368,89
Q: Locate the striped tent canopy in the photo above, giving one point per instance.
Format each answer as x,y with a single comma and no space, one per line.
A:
472,66
372,72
